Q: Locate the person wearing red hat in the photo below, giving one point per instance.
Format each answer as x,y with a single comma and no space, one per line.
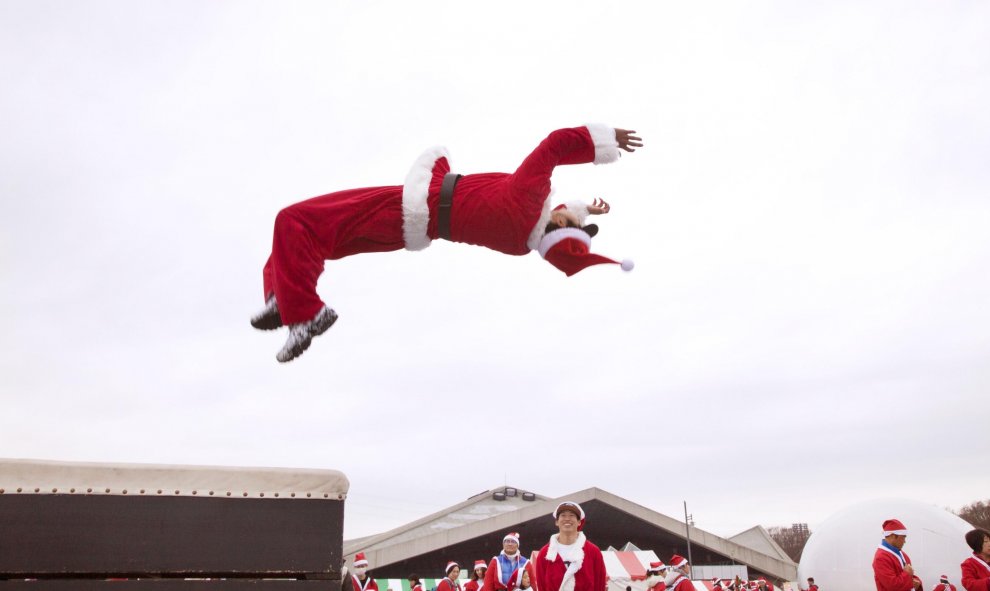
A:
716,584
569,562
450,582
976,568
509,213
522,579
477,582
655,575
944,584
679,577
502,567
360,580
892,569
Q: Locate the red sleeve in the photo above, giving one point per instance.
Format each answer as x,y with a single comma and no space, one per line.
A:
490,576
564,146
539,565
601,577
887,576
974,578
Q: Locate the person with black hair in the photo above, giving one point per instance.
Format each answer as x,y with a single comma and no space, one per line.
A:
976,568
508,213
415,583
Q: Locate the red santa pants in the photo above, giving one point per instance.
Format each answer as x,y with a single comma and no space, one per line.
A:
323,228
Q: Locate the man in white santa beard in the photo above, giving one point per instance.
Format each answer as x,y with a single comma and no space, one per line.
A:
569,562
655,576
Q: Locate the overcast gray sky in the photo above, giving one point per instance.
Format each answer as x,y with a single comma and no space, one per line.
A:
807,325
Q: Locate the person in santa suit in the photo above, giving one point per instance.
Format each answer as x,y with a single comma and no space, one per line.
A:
509,213
655,575
502,567
679,577
976,568
892,569
477,581
415,583
811,584
450,582
360,580
569,562
944,584
522,579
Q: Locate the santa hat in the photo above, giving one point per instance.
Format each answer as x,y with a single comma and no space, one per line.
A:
894,527
716,581
450,565
658,566
677,561
944,578
571,506
512,536
569,249
515,579
360,560
480,564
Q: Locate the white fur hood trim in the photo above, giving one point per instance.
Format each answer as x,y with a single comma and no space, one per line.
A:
554,548
554,238
606,146
415,211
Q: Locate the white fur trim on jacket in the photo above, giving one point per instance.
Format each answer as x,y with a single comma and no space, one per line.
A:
606,146
536,234
415,211
576,559
553,238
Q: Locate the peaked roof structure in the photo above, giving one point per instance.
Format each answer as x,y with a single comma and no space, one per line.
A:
474,529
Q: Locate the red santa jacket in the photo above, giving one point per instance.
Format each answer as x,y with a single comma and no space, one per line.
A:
494,574
369,584
446,585
681,583
889,573
473,585
975,574
661,586
500,211
944,587
590,577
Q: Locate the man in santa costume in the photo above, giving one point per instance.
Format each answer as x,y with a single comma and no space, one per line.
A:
976,568
360,580
655,575
569,562
944,584
892,568
679,577
502,567
509,213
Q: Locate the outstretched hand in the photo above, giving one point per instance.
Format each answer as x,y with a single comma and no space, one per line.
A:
628,141
599,207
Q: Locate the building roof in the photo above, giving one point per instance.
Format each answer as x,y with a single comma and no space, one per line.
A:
474,530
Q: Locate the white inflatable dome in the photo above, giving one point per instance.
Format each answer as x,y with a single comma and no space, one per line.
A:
839,553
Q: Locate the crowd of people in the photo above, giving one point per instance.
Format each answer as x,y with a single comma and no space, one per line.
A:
570,562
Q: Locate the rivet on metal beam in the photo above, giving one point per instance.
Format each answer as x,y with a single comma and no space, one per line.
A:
72,490
108,491
37,490
89,490
211,493
293,495
308,495
228,493
54,490
177,491
142,491
18,489
194,493
261,494
245,494
276,494
124,492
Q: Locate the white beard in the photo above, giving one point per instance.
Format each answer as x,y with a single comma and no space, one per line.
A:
653,580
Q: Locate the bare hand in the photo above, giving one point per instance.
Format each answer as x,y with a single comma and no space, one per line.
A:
909,569
599,207
628,141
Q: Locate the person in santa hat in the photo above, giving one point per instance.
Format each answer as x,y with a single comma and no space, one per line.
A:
502,567
976,568
522,579
450,582
509,213
679,577
944,584
716,584
655,575
892,569
477,581
360,580
569,562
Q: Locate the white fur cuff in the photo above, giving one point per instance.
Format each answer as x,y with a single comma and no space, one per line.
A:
606,146
415,211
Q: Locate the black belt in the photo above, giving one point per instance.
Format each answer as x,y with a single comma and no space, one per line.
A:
446,200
